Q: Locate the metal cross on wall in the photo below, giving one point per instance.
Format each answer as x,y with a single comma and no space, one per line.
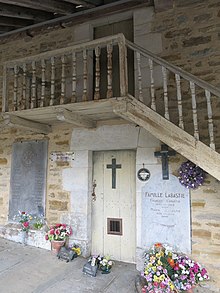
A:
164,154
113,166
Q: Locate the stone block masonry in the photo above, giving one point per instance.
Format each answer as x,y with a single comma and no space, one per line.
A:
187,34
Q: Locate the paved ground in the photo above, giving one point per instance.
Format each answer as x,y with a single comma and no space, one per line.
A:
26,269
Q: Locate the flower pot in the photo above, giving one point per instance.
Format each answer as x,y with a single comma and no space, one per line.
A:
105,269
23,237
56,245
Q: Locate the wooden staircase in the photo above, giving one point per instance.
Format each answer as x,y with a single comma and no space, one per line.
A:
173,105
175,137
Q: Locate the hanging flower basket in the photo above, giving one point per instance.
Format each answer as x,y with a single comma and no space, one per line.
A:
190,175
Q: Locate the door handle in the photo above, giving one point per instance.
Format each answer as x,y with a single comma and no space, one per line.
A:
93,190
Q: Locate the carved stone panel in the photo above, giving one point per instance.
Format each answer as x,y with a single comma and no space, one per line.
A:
28,177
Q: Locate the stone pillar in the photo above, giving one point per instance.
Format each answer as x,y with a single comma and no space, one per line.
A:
78,180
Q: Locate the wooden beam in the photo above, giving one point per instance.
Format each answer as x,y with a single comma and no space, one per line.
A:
81,16
176,138
14,121
4,29
49,5
24,13
74,118
15,22
84,4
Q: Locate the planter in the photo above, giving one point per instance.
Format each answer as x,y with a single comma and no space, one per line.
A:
105,269
56,245
23,237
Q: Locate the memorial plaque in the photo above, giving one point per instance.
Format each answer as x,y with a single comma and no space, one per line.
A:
90,270
28,177
166,213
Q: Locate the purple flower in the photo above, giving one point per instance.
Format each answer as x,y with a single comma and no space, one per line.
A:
191,175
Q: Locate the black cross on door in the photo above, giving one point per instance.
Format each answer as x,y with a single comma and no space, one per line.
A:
113,166
164,154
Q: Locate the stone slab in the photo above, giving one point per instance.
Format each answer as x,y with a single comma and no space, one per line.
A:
166,213
28,177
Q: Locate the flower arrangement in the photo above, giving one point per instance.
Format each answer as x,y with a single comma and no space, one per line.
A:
168,271
76,249
104,263
58,232
39,222
191,175
24,219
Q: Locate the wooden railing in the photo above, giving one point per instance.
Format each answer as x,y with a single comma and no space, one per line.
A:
65,75
177,94
100,69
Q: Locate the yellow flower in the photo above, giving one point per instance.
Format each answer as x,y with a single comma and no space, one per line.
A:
159,263
162,277
154,269
77,250
171,285
156,279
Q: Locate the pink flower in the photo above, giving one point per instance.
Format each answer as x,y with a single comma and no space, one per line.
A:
46,237
26,224
203,272
51,232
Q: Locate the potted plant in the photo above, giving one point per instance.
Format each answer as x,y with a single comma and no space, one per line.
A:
24,219
103,263
57,235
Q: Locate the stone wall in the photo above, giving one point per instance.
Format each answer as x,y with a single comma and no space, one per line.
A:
58,200
190,39
186,35
205,203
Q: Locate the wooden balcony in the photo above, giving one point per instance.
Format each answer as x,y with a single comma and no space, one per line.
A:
84,84
74,85
111,78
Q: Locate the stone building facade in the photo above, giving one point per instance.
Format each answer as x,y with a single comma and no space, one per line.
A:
187,35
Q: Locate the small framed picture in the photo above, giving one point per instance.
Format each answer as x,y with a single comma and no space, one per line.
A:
143,174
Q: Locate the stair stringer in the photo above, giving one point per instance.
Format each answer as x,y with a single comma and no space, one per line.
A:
194,150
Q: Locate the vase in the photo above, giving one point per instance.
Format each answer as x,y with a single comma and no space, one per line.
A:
56,245
23,237
106,269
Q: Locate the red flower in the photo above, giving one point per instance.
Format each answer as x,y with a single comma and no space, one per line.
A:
23,213
58,225
57,232
171,262
158,244
46,237
176,267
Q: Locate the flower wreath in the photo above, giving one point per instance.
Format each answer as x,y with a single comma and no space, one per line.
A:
190,175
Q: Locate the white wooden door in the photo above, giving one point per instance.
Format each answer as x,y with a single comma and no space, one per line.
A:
114,204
